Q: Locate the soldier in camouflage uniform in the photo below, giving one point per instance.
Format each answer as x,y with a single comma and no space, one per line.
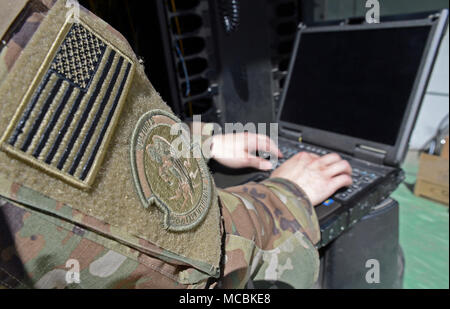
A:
118,223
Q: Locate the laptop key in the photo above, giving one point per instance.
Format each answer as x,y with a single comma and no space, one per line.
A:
342,196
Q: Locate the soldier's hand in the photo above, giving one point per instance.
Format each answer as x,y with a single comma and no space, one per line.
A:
238,150
319,177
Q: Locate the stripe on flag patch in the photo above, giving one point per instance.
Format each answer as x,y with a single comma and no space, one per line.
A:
64,124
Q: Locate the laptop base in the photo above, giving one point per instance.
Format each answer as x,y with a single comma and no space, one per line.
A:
351,259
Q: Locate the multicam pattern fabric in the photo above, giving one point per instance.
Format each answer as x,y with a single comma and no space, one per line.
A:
267,243
269,231
112,199
35,249
11,51
264,244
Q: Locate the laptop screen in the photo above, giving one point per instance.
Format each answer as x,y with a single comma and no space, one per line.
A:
355,82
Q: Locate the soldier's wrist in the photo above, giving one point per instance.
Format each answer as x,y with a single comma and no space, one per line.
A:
291,186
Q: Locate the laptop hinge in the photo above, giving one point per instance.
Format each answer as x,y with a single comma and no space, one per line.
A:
291,134
370,154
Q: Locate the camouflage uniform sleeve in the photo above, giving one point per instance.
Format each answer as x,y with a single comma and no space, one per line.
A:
36,245
46,252
270,232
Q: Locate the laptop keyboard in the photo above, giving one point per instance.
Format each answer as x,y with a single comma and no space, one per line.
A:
361,177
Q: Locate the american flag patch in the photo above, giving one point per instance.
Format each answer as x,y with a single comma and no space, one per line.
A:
64,125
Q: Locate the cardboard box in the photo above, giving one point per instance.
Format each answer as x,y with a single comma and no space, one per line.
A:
444,153
432,178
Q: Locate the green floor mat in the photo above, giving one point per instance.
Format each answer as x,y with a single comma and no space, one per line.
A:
424,231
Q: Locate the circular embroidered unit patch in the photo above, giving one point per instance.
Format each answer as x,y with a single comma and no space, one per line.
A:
169,172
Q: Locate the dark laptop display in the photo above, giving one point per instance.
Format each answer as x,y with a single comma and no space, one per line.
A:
356,82
356,90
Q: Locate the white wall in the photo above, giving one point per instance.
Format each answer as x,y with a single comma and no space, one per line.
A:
436,102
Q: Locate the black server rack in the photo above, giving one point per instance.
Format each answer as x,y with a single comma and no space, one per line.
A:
227,59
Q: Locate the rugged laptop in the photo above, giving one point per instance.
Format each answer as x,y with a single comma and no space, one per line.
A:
356,90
